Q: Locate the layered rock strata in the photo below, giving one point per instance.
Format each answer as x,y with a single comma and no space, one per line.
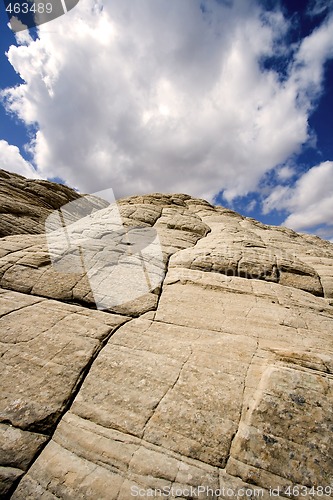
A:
216,382
25,204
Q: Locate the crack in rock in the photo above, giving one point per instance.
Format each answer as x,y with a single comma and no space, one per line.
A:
194,302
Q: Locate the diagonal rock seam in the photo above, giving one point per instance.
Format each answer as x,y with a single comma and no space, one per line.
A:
241,410
169,389
67,404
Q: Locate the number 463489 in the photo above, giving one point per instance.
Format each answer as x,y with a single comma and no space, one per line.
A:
25,8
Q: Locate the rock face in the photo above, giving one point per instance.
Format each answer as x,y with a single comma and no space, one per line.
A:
216,382
25,204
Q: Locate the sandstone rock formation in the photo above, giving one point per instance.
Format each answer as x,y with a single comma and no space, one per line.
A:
216,382
25,204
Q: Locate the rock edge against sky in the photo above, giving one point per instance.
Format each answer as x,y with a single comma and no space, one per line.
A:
221,377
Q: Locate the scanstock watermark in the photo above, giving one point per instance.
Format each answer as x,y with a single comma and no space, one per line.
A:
25,14
87,236
204,491
201,491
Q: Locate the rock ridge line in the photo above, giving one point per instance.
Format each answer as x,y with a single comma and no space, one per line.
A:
220,377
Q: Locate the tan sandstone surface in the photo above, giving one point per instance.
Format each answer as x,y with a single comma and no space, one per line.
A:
216,382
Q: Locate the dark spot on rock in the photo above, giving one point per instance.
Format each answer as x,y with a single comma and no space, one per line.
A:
297,399
269,439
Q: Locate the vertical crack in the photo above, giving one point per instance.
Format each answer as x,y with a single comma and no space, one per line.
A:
242,398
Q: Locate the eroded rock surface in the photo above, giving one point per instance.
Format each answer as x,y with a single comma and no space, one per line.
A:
221,377
25,204
46,347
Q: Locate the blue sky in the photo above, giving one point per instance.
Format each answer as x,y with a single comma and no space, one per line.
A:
229,100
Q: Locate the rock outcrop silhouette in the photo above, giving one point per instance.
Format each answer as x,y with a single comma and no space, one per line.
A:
217,382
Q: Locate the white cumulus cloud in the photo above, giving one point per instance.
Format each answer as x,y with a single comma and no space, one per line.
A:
12,161
309,202
144,95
